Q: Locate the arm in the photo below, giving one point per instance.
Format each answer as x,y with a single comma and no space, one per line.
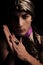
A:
20,49
6,57
4,54
7,34
32,60
3,51
3,44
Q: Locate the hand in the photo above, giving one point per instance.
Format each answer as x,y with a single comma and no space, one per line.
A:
20,49
22,53
7,34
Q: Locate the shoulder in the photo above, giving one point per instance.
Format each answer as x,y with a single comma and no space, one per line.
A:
40,40
39,37
37,34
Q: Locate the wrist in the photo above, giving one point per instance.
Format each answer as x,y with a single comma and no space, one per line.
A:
30,59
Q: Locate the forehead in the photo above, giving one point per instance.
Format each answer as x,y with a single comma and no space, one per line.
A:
22,13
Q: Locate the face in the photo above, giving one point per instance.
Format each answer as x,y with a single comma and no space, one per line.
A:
22,23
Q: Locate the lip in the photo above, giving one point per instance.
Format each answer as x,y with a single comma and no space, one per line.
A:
20,30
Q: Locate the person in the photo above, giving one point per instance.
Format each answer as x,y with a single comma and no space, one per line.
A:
21,44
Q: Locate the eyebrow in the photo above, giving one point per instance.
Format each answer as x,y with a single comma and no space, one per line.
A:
21,13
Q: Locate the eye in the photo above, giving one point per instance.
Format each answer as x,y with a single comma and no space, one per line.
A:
25,16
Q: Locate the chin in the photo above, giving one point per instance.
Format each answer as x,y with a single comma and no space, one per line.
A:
22,34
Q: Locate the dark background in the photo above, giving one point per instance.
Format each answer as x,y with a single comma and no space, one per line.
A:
38,20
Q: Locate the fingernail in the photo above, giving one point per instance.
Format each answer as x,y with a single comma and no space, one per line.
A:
3,26
21,39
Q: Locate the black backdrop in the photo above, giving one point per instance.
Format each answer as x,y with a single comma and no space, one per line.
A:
38,20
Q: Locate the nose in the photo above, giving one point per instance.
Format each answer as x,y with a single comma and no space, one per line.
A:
21,21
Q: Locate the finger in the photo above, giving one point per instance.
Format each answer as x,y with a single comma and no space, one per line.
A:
15,39
7,34
21,40
6,31
13,42
15,46
13,36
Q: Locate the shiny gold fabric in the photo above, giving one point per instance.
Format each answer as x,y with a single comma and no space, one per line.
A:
25,5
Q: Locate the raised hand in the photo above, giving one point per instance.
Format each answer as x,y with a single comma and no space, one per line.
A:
7,34
19,48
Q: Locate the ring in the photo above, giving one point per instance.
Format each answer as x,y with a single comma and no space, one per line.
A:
16,42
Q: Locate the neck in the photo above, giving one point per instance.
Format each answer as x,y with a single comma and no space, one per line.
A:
29,32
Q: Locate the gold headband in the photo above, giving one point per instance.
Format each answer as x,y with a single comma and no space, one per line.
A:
25,5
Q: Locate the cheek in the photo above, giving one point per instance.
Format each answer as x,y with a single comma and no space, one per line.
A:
26,25
27,22
29,19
